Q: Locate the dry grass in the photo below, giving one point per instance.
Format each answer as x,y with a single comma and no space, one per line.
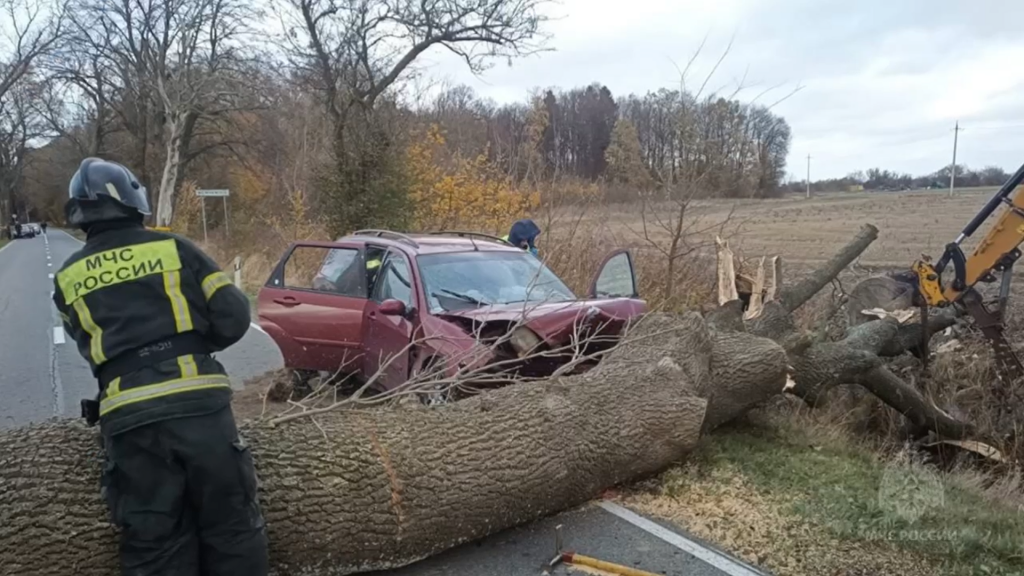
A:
797,494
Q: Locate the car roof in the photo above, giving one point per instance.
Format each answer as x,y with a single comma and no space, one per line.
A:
434,243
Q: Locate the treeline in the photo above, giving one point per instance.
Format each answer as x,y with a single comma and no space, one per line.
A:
728,148
323,123
877,179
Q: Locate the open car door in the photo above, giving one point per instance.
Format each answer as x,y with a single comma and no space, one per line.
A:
314,303
615,278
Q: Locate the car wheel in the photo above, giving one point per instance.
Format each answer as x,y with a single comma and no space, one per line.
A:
428,393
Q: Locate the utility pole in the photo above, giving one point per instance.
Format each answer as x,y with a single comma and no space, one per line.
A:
952,172
808,175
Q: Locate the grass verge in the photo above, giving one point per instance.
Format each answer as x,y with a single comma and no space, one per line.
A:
801,503
75,232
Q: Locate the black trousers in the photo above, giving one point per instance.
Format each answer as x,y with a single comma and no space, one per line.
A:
183,492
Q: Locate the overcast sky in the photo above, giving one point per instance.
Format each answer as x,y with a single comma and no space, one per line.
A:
883,81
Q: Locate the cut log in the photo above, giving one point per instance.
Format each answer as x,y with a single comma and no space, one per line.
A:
364,490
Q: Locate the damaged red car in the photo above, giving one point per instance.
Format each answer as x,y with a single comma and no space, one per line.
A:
448,302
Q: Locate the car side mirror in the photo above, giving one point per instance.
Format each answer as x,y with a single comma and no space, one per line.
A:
392,307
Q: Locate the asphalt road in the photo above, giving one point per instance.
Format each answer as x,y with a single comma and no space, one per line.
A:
42,375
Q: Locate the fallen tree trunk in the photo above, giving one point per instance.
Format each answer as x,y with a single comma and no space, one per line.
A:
858,358
360,490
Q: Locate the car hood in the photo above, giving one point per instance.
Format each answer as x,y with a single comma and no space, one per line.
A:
549,320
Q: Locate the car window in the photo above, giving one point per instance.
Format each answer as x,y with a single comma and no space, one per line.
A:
334,270
374,257
396,282
616,278
456,281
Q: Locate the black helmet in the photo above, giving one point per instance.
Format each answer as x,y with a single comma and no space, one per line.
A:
101,191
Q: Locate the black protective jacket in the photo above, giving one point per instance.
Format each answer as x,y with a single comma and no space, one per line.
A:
146,310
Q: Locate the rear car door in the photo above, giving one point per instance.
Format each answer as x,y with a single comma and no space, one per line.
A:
314,304
386,344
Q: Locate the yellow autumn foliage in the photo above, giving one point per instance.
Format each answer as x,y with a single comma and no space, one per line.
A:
449,191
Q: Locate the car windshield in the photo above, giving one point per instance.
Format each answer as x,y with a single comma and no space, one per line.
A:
473,279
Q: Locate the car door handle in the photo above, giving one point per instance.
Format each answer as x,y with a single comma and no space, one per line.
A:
372,315
287,301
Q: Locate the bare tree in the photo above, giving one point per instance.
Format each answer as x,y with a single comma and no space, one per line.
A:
19,125
177,64
353,51
30,30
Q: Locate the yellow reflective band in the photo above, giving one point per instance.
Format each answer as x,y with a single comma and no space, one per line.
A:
214,282
64,317
372,264
114,401
94,332
116,266
114,388
172,285
187,364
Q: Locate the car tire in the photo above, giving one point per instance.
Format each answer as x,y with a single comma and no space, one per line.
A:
428,397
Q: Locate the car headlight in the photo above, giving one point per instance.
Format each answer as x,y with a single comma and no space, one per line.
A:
524,341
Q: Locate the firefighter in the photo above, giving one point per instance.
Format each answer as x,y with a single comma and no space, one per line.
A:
43,226
147,310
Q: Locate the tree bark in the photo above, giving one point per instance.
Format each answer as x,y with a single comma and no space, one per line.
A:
858,358
375,489
169,179
798,294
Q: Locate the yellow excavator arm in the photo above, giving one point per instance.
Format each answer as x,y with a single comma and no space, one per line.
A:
997,252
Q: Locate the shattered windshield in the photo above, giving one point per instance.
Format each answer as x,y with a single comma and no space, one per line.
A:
473,279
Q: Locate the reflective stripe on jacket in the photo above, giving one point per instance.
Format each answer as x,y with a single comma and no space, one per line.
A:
129,287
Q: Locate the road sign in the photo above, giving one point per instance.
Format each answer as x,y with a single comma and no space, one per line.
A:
211,193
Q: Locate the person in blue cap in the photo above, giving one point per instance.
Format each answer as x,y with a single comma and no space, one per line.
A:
524,235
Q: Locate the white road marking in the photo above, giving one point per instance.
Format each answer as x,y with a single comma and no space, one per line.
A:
50,276
257,326
699,551
49,263
70,236
58,334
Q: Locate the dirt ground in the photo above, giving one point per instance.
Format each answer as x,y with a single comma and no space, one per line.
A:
809,230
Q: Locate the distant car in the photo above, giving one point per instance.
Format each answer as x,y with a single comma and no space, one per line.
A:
443,303
22,231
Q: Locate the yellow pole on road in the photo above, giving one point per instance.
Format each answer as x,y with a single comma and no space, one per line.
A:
618,569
